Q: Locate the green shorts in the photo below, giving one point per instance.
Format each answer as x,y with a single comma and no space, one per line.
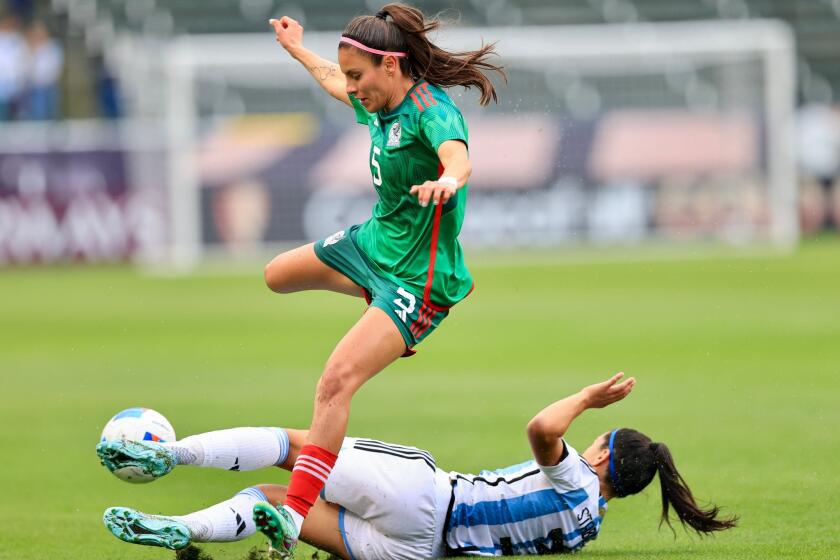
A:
414,318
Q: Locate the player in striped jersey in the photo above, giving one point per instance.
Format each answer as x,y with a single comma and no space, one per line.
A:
406,259
385,501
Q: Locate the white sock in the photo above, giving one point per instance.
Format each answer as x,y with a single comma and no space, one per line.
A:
298,518
231,520
236,449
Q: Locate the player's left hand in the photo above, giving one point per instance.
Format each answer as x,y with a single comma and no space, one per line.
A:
607,392
437,193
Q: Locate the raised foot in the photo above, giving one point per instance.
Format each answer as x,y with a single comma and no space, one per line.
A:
136,461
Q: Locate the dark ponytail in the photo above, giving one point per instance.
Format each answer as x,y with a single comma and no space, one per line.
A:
406,32
636,460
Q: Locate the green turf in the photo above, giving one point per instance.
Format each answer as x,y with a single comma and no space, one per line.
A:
738,362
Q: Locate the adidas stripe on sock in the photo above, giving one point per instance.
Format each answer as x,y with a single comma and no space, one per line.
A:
226,521
309,475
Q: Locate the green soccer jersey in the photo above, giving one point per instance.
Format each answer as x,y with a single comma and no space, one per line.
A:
417,247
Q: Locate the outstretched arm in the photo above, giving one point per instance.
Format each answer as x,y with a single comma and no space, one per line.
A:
328,74
546,429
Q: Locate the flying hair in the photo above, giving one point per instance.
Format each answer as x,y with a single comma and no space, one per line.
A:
635,460
399,28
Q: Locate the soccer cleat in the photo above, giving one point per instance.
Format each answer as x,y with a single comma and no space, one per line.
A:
136,527
278,526
150,458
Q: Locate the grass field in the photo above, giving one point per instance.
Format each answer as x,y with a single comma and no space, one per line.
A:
738,362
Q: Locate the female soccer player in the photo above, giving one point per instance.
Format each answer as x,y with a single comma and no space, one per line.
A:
387,502
406,259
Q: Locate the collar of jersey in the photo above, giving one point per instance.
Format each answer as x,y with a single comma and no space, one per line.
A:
399,108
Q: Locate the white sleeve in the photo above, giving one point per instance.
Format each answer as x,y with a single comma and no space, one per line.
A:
570,473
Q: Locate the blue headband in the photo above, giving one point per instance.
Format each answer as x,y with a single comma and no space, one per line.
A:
613,474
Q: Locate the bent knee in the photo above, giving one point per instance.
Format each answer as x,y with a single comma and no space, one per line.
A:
276,277
338,382
275,493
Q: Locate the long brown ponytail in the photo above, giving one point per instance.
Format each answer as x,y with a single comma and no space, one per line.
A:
406,31
635,460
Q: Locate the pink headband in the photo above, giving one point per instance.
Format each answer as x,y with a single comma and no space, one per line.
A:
366,48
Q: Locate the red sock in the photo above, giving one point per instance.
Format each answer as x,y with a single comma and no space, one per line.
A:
309,475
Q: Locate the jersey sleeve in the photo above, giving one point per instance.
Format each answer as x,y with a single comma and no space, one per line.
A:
442,122
571,473
362,115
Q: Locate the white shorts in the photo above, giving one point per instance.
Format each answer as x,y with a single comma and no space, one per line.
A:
392,498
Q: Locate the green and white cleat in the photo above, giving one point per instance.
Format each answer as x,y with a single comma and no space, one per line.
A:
136,527
136,461
278,526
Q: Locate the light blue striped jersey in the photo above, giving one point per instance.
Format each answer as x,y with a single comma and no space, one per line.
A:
526,509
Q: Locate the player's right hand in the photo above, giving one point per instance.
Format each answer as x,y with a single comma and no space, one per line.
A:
288,32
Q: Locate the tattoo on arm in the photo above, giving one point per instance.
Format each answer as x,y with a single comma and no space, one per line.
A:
322,72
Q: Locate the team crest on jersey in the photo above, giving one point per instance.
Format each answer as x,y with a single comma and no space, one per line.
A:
334,238
394,135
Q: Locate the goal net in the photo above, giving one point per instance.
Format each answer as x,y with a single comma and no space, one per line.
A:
608,134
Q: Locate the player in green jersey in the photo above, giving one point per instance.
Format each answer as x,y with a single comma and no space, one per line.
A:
406,259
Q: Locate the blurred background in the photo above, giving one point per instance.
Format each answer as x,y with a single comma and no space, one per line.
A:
650,195
169,132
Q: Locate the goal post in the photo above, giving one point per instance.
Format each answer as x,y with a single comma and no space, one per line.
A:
604,134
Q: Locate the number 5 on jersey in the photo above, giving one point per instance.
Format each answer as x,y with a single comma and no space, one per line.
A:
375,170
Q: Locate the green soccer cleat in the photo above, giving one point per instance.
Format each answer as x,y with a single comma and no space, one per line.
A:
278,526
136,527
136,461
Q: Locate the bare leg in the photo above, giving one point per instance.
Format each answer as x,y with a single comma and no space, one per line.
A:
321,526
300,269
372,344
